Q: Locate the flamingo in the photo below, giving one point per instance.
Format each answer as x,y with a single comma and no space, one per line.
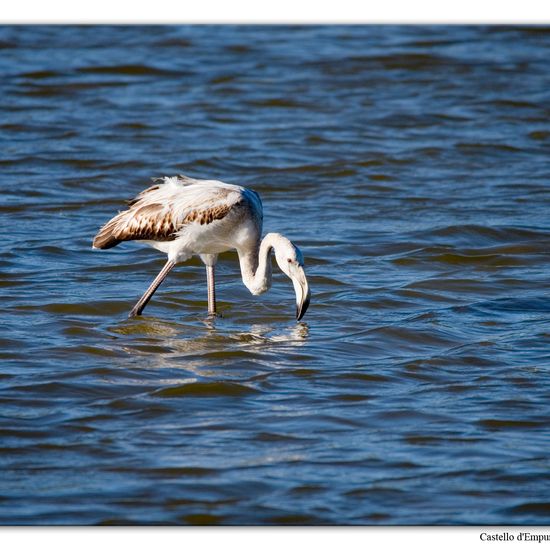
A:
183,216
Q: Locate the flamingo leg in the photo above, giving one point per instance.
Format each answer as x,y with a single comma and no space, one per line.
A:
211,282
138,308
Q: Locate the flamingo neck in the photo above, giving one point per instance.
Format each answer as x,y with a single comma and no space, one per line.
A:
256,265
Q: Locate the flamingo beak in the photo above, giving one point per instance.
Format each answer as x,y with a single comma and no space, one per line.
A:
303,293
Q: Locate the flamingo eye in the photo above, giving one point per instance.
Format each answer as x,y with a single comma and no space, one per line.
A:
289,260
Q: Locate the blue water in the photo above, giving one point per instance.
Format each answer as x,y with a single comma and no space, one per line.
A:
409,163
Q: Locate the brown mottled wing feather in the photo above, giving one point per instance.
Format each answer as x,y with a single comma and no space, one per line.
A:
149,220
205,216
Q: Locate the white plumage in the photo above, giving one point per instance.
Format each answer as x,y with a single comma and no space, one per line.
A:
182,217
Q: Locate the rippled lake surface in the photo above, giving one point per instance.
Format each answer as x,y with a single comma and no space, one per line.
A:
411,165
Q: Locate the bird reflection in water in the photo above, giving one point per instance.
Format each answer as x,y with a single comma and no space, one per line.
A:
167,342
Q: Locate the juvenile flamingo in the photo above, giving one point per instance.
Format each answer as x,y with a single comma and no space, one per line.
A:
182,217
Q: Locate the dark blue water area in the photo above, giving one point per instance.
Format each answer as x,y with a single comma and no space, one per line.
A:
410,164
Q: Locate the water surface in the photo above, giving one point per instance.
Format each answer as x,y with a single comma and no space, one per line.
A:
409,163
